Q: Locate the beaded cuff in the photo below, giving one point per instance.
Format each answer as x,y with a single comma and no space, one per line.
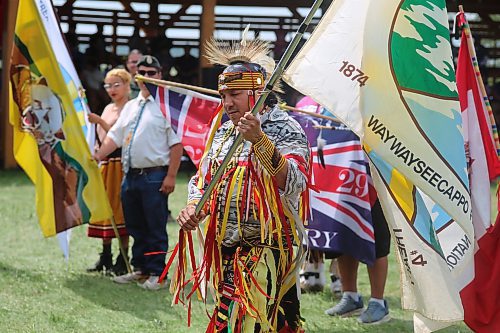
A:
268,155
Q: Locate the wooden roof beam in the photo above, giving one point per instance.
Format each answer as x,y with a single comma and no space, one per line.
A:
266,3
66,8
139,22
475,7
176,17
295,13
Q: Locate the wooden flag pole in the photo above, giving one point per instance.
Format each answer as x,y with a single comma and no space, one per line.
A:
120,244
164,83
324,127
312,114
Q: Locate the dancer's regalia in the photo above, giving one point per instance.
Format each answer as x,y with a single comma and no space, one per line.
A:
251,257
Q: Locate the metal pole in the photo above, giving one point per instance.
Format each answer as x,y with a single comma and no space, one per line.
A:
280,67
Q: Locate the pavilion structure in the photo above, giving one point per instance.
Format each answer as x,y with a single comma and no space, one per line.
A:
188,24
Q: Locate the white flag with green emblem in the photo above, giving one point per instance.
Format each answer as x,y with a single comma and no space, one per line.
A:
385,69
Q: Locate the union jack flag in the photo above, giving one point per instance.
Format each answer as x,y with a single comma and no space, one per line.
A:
341,219
190,114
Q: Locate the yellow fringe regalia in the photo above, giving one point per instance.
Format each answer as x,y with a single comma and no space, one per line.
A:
253,278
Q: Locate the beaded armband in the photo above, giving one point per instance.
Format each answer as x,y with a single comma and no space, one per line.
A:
269,155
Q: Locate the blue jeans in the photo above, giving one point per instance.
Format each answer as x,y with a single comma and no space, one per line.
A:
145,209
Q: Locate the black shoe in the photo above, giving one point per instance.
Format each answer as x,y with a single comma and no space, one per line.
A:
105,262
120,266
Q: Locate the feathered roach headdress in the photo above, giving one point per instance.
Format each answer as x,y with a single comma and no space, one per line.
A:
248,63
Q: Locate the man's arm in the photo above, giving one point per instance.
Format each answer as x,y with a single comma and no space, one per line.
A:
267,153
168,184
282,173
107,147
187,219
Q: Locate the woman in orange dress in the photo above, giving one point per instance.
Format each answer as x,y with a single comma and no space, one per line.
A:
117,85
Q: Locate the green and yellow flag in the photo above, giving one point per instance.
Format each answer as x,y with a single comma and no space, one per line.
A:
385,68
47,116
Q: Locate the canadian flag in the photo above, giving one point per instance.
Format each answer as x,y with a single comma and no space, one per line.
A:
480,298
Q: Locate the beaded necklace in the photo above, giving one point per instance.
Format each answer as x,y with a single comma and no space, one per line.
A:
215,164
229,170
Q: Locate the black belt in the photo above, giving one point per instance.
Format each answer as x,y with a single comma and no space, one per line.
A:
140,171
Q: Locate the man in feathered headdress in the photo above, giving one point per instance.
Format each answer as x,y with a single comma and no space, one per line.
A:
256,211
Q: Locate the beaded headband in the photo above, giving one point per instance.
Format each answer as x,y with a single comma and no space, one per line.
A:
248,63
248,76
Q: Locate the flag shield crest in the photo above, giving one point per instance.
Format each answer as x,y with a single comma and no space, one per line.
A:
393,83
47,114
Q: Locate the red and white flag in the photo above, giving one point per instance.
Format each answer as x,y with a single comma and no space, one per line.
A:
190,114
480,298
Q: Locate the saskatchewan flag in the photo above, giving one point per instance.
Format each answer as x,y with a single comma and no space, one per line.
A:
47,116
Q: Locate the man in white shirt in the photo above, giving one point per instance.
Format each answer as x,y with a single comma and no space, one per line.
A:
151,154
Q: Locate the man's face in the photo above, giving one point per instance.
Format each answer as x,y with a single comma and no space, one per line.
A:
235,103
132,61
151,72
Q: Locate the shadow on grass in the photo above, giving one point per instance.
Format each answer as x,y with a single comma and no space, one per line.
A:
9,272
128,298
316,321
99,293
13,177
350,325
327,297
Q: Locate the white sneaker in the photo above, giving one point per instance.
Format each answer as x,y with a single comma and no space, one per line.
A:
152,283
129,277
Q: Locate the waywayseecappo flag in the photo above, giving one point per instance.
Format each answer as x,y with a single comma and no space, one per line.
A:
47,112
480,296
190,114
388,74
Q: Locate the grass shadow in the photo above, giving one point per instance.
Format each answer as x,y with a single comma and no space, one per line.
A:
14,177
344,325
317,303
8,272
128,298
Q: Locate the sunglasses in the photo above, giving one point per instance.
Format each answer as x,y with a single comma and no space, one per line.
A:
108,86
147,73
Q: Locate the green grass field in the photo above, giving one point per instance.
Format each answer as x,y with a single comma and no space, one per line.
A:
41,292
